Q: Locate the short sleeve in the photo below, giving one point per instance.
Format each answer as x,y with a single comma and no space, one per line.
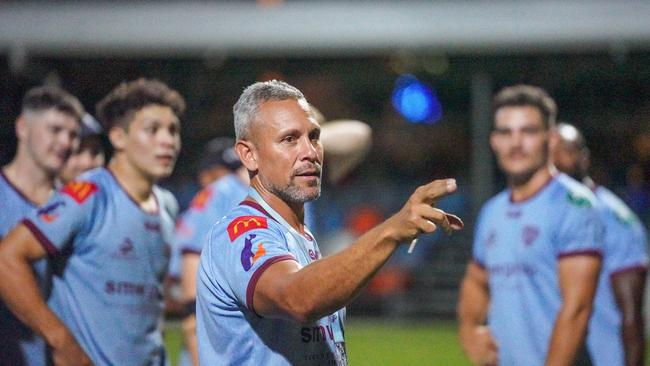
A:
64,215
625,247
247,248
580,231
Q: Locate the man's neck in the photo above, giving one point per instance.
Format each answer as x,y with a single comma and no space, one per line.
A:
136,185
32,181
534,184
293,214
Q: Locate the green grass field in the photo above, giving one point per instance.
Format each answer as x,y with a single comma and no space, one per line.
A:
374,342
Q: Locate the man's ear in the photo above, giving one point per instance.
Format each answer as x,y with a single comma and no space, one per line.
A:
21,128
118,137
553,139
247,154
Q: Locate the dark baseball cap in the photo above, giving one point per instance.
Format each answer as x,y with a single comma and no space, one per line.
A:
219,151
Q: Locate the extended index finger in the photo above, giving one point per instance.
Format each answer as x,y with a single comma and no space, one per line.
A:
437,189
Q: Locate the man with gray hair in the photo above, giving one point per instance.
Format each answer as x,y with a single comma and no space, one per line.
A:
264,295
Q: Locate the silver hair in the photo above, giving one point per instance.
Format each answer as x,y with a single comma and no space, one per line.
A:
247,107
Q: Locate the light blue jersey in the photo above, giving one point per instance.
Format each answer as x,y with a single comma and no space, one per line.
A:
209,205
109,258
18,344
625,250
519,245
240,248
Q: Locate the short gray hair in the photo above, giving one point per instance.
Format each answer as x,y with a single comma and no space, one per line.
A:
247,107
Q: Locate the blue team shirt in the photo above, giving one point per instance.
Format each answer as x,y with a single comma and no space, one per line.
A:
241,246
624,250
109,258
519,245
209,205
18,344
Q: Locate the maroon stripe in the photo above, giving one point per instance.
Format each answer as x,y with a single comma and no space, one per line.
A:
590,252
190,251
45,242
18,191
250,289
637,267
258,207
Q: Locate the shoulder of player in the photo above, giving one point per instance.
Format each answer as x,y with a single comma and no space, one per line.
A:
243,219
89,185
574,194
617,208
501,199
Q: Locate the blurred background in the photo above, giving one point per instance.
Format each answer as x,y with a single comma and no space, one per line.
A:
420,73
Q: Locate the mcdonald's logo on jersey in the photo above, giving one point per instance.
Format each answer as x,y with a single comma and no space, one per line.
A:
243,224
80,191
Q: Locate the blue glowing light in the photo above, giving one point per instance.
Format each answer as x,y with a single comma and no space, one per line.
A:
416,101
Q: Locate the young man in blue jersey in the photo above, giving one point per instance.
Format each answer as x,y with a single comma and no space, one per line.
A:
225,185
47,130
616,334
264,294
105,235
526,297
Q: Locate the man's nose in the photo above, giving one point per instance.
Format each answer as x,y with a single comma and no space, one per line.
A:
309,150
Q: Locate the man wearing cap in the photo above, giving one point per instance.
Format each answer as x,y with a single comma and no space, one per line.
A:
225,184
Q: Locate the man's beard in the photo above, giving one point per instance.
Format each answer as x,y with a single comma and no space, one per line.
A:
292,193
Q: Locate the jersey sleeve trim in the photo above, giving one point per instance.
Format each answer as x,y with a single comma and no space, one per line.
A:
633,268
587,252
250,289
42,239
190,251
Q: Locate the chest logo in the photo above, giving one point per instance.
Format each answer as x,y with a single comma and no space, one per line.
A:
529,235
80,191
243,224
126,250
248,258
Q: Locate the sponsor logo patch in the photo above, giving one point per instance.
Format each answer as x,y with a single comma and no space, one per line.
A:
530,234
80,191
243,224
248,258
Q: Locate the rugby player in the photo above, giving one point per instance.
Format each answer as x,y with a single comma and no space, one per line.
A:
616,334
527,294
104,234
264,294
47,130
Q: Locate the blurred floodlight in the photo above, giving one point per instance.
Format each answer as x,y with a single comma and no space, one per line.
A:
416,101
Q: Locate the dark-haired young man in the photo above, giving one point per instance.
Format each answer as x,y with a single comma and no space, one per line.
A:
47,131
527,294
105,236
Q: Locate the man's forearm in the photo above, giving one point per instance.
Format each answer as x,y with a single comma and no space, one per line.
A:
568,335
329,284
633,342
23,298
